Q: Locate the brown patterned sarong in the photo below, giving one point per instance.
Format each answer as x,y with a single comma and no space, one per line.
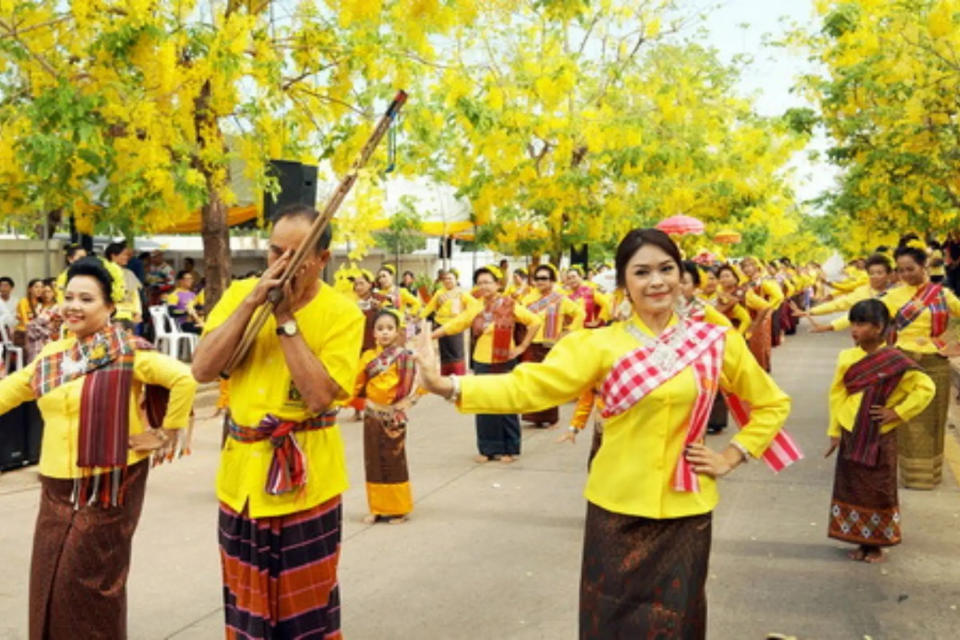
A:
537,353
385,462
81,556
920,441
761,337
864,508
280,573
644,578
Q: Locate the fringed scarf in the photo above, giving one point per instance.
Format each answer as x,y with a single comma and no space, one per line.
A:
553,321
930,297
659,360
406,370
105,361
498,312
586,293
877,376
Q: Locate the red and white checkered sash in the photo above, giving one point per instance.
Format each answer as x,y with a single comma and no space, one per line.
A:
633,377
782,452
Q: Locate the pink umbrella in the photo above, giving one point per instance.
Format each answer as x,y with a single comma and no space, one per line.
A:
680,225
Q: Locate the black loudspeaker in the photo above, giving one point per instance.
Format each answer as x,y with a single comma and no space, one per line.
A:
13,445
580,255
446,248
298,185
32,431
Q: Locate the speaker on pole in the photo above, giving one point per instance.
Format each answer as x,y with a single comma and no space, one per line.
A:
298,185
580,255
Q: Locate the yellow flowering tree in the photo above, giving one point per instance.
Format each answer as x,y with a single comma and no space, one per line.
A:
130,113
569,122
887,98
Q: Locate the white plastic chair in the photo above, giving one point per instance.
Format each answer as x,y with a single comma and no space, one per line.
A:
168,336
10,349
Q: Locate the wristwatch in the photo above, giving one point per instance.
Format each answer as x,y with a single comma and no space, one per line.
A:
288,329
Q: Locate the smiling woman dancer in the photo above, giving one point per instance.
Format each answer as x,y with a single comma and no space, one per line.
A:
652,486
93,466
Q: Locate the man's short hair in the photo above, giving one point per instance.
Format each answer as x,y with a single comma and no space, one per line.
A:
8,280
308,213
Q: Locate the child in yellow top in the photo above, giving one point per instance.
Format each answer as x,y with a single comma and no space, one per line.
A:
387,381
875,389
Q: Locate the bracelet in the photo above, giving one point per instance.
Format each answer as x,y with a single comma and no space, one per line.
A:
742,449
455,393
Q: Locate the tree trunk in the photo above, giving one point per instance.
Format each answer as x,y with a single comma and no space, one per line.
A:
213,229
216,248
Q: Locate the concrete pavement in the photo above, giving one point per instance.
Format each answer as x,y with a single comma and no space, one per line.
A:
494,550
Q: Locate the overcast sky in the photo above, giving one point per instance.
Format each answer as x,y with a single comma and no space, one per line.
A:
774,70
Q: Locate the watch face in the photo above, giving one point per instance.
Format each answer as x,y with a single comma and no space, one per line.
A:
289,327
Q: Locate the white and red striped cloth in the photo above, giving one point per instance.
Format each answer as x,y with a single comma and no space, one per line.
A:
700,345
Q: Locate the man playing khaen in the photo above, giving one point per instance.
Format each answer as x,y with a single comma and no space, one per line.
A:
282,468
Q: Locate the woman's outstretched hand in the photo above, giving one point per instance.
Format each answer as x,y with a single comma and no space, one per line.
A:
426,356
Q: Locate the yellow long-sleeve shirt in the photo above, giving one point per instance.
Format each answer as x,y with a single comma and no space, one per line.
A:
633,471
332,326
483,347
915,336
856,278
844,302
447,305
61,406
909,399
382,388
403,300
572,314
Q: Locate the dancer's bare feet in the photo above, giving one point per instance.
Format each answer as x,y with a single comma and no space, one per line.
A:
480,459
369,518
507,459
397,520
856,554
873,555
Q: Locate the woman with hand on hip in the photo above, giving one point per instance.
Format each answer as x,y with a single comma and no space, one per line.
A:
652,487
93,464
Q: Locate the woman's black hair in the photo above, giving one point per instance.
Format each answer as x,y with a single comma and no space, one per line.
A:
550,272
520,272
71,250
727,267
919,255
181,273
870,311
691,267
94,268
634,240
879,259
386,313
482,270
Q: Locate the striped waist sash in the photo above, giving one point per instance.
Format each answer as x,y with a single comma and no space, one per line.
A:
288,466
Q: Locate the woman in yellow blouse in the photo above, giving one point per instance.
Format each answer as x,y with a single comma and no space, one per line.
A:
27,308
492,325
401,299
875,389
559,315
727,298
761,297
652,485
921,310
387,381
93,464
446,304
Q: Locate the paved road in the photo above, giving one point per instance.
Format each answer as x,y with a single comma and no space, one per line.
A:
493,551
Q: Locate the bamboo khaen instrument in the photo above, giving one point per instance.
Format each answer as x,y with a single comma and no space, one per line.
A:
262,314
